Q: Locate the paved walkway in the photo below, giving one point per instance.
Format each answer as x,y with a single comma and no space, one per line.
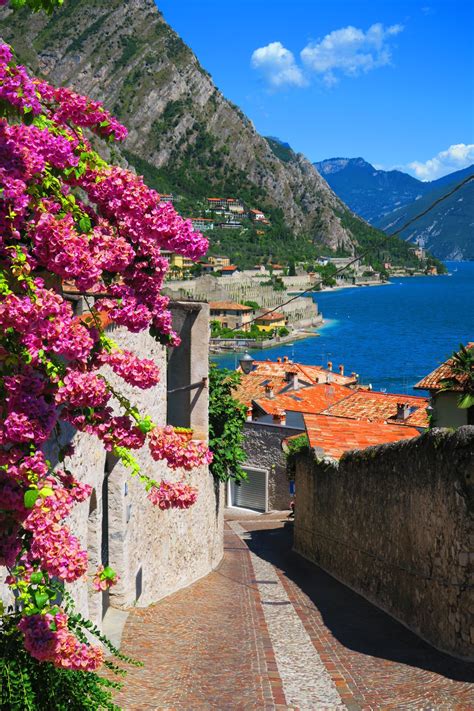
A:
268,630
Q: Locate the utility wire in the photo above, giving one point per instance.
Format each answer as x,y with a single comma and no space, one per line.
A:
367,251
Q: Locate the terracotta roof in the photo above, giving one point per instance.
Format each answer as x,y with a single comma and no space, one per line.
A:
275,316
257,212
310,373
228,305
252,387
380,407
432,381
336,435
312,399
232,267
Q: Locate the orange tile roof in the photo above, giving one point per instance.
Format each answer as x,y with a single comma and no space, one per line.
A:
380,407
229,268
432,381
228,305
311,373
252,387
336,435
312,399
275,316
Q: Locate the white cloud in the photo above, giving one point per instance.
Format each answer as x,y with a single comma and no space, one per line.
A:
350,51
456,157
278,66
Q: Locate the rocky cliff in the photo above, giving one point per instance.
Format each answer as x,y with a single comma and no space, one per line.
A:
183,133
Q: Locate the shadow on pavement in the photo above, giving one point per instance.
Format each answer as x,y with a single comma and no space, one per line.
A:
353,621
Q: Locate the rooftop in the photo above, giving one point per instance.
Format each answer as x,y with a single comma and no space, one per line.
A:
336,435
228,305
313,399
310,373
433,380
252,386
380,407
275,316
232,268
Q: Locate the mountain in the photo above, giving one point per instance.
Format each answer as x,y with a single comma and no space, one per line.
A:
448,229
389,198
369,192
185,137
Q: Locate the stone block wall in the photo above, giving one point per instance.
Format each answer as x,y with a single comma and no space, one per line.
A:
396,524
154,552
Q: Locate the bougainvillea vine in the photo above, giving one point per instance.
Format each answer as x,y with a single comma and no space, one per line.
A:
69,218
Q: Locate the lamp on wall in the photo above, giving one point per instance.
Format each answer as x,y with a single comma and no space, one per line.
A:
246,363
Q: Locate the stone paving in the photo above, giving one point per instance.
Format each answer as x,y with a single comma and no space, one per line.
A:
268,630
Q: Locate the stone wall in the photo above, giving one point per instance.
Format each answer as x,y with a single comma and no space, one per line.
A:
154,552
396,524
301,311
262,445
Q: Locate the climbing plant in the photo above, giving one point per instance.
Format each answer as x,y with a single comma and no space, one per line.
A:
69,217
226,424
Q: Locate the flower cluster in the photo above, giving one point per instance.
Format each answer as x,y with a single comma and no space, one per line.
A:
70,220
173,495
174,447
48,639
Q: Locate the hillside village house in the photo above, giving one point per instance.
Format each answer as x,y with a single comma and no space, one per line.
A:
202,223
154,552
257,215
230,314
444,401
281,398
219,261
270,321
179,266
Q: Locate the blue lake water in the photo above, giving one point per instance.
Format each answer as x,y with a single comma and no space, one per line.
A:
390,335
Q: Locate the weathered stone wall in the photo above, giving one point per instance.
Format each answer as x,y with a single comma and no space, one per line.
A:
262,445
300,312
154,552
396,524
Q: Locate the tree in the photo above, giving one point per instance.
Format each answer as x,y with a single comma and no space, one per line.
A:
226,422
292,268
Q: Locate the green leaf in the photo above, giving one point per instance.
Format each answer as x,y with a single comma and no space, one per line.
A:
108,573
30,497
46,491
41,599
466,400
36,578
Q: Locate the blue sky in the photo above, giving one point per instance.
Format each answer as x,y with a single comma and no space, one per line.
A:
391,81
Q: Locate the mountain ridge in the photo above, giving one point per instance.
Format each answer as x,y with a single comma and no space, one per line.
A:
184,135
388,199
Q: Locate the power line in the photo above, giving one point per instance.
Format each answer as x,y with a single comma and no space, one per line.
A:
367,251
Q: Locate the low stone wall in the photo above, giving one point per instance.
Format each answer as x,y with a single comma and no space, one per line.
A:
396,524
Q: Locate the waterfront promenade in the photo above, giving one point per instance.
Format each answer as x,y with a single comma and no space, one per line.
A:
268,630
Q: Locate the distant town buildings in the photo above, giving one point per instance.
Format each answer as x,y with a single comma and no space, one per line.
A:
230,314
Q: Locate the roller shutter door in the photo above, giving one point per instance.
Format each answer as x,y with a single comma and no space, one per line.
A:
251,494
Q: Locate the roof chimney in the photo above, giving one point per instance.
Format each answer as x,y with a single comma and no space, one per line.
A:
403,411
269,392
278,360
249,413
291,376
341,369
329,364
279,418
285,359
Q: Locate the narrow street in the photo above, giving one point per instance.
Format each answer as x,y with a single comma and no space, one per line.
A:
268,630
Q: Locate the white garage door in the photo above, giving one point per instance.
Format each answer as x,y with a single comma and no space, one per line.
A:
251,494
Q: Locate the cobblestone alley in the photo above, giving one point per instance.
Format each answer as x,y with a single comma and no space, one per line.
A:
268,630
